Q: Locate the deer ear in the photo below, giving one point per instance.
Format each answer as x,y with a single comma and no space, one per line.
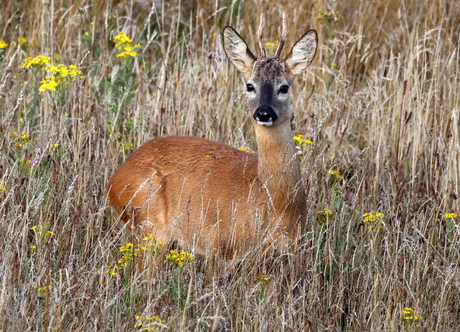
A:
238,51
302,54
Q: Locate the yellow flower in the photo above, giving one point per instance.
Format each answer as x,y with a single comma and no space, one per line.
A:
42,290
2,186
21,40
25,137
179,259
112,271
130,47
61,74
39,61
149,322
299,140
324,216
269,46
53,146
3,44
409,317
374,220
126,54
60,70
73,71
450,216
335,174
121,38
125,45
149,237
49,83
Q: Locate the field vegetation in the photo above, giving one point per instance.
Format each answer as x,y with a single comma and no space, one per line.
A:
83,83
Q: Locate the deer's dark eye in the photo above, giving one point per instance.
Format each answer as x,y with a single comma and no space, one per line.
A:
249,87
284,89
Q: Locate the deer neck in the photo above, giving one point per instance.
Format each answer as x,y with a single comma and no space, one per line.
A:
279,173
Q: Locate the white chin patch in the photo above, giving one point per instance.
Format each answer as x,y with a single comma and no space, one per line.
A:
267,123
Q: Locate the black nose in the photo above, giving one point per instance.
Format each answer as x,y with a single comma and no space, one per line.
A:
265,115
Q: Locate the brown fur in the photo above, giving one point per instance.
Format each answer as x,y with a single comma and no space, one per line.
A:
212,197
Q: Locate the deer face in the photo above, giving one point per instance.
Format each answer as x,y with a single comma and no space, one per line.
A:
268,92
268,80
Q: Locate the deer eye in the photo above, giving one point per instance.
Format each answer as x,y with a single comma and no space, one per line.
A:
284,89
249,87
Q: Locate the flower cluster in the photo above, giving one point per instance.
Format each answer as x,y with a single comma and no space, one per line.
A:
131,251
374,220
28,163
42,290
335,174
125,45
148,323
38,62
179,259
42,230
270,46
61,74
20,139
449,216
409,317
324,216
301,143
300,139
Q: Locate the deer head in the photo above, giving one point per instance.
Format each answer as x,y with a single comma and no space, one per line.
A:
268,80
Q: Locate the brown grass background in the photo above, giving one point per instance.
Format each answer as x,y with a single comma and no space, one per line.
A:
381,103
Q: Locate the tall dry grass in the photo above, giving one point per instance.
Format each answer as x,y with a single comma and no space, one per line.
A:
380,103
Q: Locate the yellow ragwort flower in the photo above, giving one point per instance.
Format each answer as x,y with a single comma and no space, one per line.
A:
3,44
324,216
450,216
335,173
179,259
25,137
374,220
60,70
299,140
49,83
409,315
21,40
149,322
270,46
121,38
126,54
39,61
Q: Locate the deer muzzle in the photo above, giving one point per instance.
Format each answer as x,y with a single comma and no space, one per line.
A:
265,115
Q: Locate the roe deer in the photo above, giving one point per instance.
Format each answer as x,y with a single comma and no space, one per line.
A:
212,197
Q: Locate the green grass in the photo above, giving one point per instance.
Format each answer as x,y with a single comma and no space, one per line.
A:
380,103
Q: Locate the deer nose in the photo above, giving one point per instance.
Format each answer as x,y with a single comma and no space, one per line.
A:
265,115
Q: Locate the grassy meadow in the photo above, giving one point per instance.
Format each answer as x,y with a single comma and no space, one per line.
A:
380,106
